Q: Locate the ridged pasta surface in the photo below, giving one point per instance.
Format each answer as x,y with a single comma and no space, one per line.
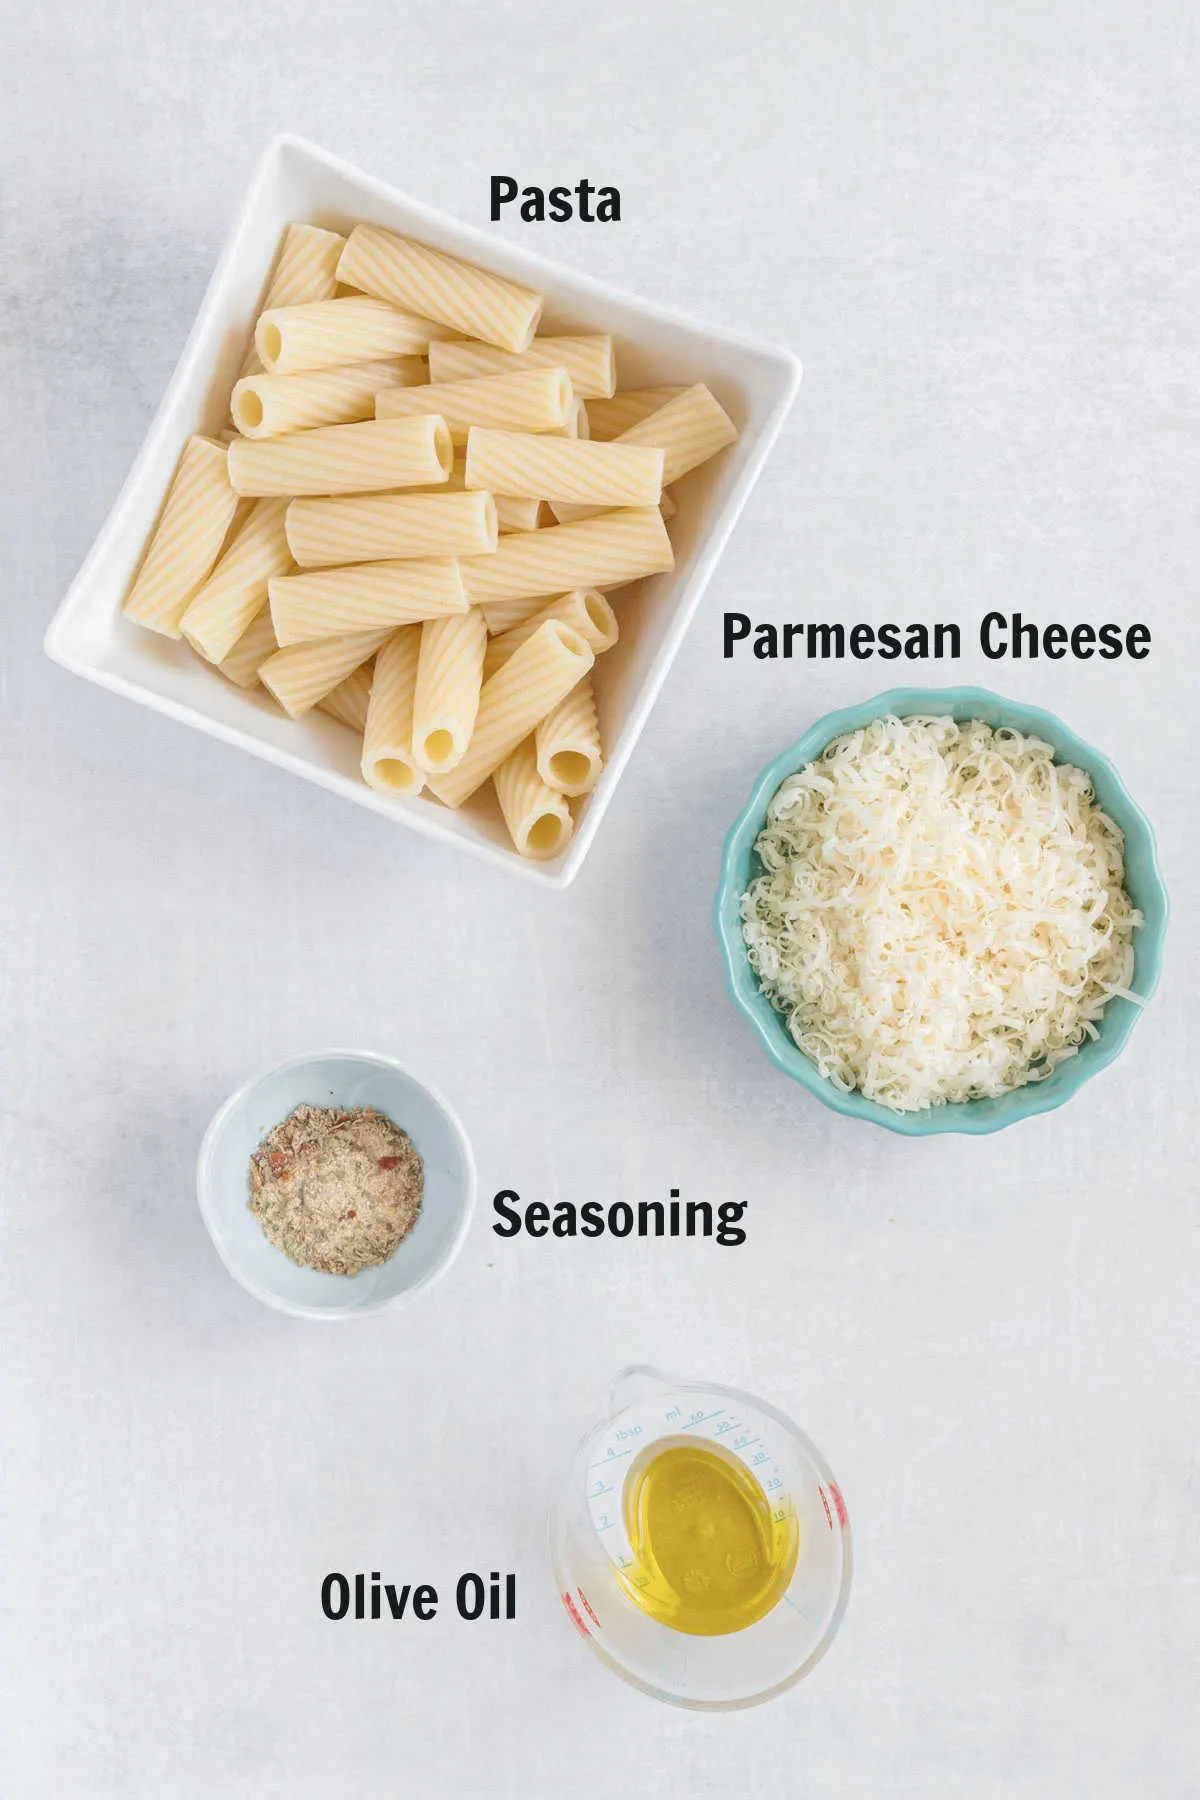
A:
472,300
533,680
349,700
576,425
512,514
449,679
584,610
538,819
187,540
607,419
387,759
268,405
355,329
235,591
530,400
256,643
688,430
515,514
306,270
342,459
603,552
589,361
415,516
369,527
327,602
564,469
301,674
569,756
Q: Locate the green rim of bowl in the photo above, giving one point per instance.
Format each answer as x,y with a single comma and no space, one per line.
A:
1143,880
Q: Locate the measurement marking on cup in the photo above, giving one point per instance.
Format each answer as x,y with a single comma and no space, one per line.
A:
611,1455
573,1610
598,1541
587,1606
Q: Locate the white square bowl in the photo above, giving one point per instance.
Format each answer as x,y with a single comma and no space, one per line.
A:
298,181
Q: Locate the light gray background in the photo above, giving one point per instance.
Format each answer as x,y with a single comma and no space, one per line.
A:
978,225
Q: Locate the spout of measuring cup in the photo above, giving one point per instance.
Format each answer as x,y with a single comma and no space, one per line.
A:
638,1382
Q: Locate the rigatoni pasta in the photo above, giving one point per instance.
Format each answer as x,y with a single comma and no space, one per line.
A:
300,675
532,681
269,405
603,552
344,459
586,611
512,514
322,603
306,270
516,514
538,818
378,539
187,540
449,679
355,329
576,425
530,400
601,475
387,758
607,419
589,361
688,429
569,756
438,286
252,649
348,701
234,593
354,528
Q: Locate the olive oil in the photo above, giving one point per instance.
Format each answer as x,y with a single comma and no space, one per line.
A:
712,1555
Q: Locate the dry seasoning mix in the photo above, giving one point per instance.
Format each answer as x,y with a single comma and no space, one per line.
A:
336,1190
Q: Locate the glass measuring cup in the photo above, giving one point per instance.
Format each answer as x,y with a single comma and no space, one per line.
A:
593,1558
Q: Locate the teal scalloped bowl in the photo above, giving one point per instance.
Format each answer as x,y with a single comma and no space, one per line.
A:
1143,878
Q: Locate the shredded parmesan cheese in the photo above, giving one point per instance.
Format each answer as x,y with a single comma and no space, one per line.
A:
942,914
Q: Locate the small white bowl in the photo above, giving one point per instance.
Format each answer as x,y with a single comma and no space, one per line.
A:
297,181
343,1078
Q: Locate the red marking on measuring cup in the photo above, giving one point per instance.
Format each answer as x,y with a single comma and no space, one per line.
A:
825,1504
574,1612
587,1606
836,1491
